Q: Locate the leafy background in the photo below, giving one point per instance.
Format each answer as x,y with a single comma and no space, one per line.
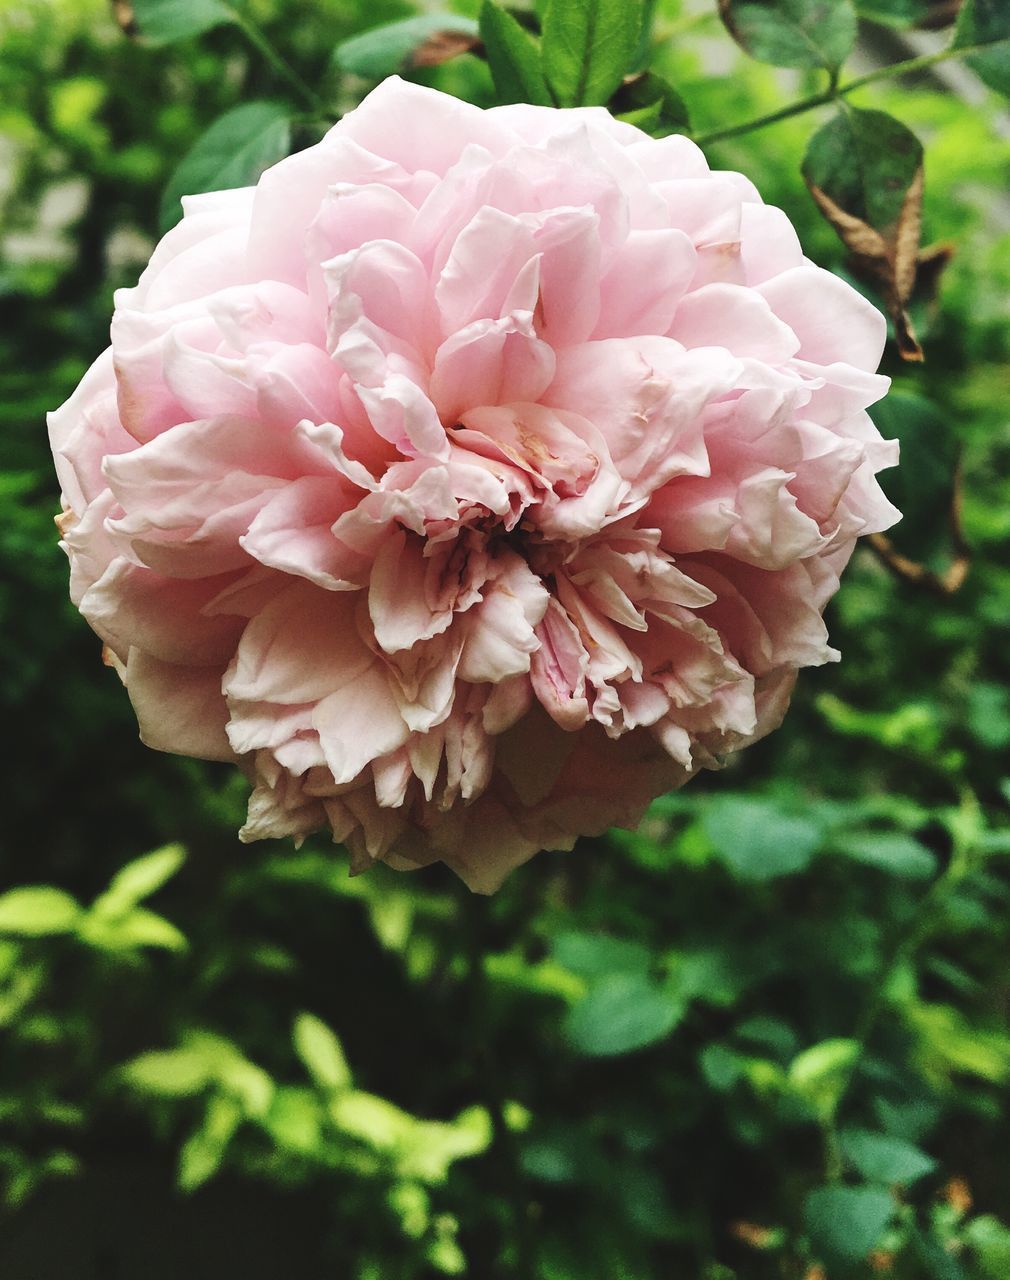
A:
765,1036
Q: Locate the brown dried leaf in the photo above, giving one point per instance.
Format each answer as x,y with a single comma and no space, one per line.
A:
122,11
864,171
441,46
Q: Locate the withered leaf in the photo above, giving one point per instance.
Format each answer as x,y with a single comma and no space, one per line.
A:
440,46
422,41
126,19
864,170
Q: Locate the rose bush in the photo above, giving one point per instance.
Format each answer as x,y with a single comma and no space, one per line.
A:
471,480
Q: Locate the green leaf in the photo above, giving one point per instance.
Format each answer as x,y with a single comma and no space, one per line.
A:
588,46
514,58
621,1013
385,50
653,104
138,928
593,955
202,1153
819,1074
989,714
756,840
173,1073
162,21
893,13
891,851
721,1066
882,1158
793,33
295,1120
38,910
320,1051
845,1223
986,23
140,878
989,1240
923,486
232,153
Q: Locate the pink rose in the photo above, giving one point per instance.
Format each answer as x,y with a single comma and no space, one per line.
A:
473,479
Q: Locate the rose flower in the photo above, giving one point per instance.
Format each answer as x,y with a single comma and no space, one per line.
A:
471,480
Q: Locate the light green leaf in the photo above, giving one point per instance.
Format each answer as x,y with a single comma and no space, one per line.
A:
385,50
588,47
989,1240
36,911
819,1074
513,56
320,1051
173,1073
793,33
986,23
232,153
845,1223
202,1153
294,1121
162,21
891,851
422,1149
882,1158
756,840
140,878
139,928
621,1013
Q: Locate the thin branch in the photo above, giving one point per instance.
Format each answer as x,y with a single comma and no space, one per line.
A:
909,67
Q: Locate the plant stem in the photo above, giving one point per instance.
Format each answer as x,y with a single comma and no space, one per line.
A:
474,909
917,931
909,67
279,64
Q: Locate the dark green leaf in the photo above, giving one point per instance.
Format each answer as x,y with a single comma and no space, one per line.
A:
721,1066
989,714
844,1223
882,1158
232,153
893,13
923,486
757,841
621,1013
384,50
588,46
891,851
985,25
651,103
594,955
793,33
162,21
514,58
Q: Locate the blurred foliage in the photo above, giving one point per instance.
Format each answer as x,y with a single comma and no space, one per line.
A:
765,1036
